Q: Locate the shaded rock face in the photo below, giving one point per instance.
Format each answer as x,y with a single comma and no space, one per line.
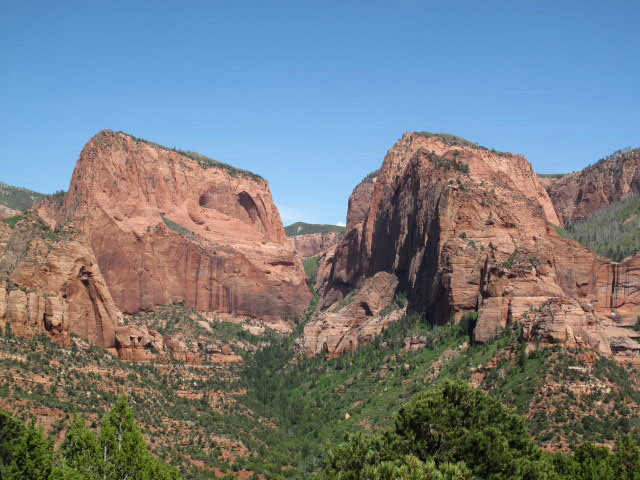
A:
467,229
579,195
355,322
52,284
165,228
311,245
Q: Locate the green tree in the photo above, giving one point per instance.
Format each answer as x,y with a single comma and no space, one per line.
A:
456,422
122,449
11,432
627,459
79,451
32,458
453,431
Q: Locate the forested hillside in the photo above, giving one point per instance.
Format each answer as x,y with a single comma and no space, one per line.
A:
613,231
18,198
301,228
116,450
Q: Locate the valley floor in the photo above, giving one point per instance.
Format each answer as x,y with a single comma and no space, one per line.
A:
274,412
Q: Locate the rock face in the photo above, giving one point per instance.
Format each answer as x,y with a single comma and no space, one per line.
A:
354,322
171,227
583,193
467,229
359,201
313,244
50,283
6,212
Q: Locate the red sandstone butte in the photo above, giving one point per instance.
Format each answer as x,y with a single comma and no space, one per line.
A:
464,229
168,228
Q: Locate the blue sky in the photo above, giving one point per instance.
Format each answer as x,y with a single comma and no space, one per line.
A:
312,94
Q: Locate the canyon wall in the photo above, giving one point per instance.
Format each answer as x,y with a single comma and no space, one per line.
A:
313,244
467,229
50,283
176,227
579,195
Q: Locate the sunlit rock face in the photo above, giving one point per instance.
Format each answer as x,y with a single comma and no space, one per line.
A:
464,229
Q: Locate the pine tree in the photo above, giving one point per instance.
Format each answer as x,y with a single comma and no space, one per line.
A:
122,450
79,451
32,456
11,432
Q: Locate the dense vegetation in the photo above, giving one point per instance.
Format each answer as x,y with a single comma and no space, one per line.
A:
551,175
283,415
613,231
202,160
456,432
116,451
188,413
301,228
18,198
176,227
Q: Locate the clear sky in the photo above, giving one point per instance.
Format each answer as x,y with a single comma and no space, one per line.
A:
311,94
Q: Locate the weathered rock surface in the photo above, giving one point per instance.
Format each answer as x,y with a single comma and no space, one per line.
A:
313,244
137,343
50,283
355,322
467,229
168,228
359,202
6,212
583,193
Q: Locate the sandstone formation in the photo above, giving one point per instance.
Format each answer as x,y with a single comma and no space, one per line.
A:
169,226
467,229
137,343
50,283
307,246
355,321
583,193
6,212
359,200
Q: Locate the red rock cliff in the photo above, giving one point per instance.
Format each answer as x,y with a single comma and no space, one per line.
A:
169,228
314,243
50,283
583,193
464,229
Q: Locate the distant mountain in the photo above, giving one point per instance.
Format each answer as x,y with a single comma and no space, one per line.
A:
599,206
581,194
612,231
18,198
301,228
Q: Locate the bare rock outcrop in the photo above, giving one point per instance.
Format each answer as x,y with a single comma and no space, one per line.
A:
6,212
50,283
583,193
313,244
359,201
353,322
169,226
137,343
464,229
